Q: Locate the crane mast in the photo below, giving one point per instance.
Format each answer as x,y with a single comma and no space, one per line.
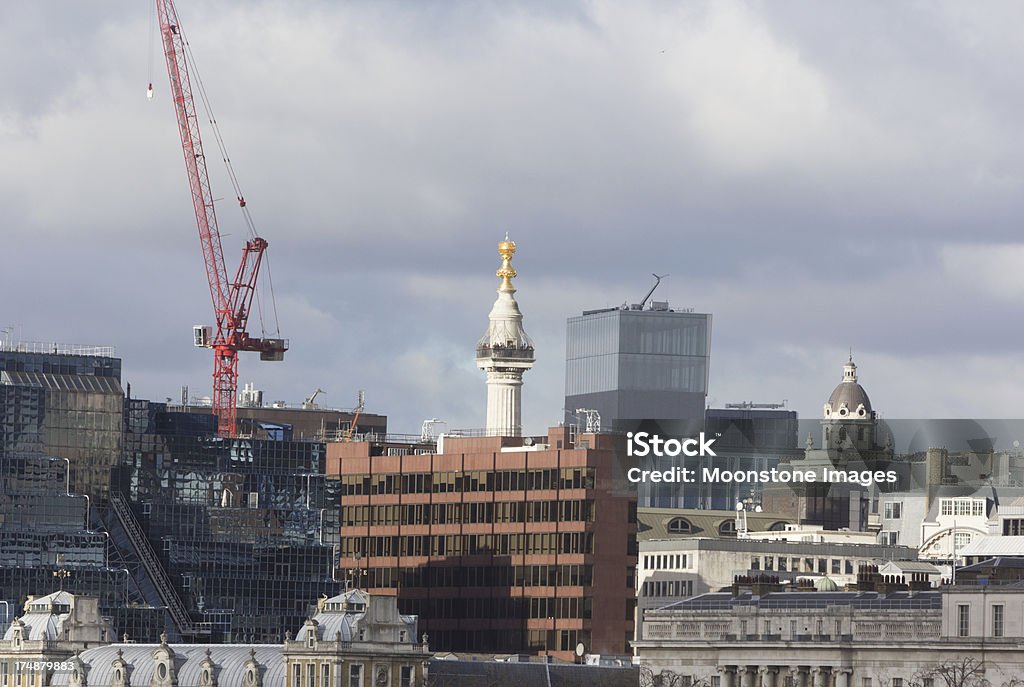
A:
232,299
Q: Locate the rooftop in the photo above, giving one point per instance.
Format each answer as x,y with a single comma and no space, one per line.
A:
820,599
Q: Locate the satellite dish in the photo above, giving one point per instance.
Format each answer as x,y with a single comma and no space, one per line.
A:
1016,443
580,649
758,509
739,506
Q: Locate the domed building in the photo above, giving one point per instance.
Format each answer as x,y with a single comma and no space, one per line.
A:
355,638
50,631
849,443
848,420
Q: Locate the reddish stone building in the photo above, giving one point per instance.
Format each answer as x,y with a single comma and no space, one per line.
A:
498,543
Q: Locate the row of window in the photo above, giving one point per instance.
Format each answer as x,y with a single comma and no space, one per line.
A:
1013,527
835,566
668,561
962,506
469,545
668,588
964,620
355,672
470,513
492,576
790,681
468,481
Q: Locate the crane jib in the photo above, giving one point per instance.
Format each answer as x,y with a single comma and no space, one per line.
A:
232,300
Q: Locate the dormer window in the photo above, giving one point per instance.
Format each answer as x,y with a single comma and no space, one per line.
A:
680,526
310,640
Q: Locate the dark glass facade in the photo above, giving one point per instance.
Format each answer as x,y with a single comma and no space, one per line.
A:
49,537
638,364
120,499
79,408
246,530
745,439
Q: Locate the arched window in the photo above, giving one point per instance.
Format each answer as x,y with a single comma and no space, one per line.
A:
727,528
680,526
777,527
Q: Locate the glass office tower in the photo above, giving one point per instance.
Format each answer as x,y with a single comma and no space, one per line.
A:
631,364
60,429
80,405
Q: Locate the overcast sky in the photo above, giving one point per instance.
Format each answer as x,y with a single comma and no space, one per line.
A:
819,176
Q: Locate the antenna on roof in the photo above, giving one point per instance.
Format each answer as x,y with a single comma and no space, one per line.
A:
657,280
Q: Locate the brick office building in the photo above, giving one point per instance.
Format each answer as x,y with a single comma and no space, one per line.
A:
498,543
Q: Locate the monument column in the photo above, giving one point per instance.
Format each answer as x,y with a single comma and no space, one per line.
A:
505,352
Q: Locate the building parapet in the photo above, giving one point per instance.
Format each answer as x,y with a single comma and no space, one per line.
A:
55,348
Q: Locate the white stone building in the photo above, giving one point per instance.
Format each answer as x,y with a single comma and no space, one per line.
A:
671,569
842,639
354,640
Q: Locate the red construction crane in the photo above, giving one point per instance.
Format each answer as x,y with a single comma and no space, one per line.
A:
232,299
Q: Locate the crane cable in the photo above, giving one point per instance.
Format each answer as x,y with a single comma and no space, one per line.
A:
151,51
222,147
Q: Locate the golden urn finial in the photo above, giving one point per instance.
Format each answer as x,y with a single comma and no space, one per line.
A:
506,249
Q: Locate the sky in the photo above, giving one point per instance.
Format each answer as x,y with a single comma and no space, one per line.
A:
818,176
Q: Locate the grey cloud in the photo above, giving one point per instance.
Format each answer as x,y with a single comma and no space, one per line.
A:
803,172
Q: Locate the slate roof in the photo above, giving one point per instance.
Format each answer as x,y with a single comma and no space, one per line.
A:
230,660
794,600
460,673
653,522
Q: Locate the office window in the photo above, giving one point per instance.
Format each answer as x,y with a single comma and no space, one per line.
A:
960,540
1013,527
963,620
964,506
997,620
